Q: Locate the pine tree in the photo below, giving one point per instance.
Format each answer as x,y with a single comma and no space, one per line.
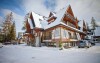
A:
9,28
93,23
12,32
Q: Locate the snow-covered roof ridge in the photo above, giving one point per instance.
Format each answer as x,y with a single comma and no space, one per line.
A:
36,13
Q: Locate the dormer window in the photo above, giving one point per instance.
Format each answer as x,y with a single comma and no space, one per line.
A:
52,19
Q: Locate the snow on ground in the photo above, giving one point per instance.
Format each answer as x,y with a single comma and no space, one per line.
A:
28,54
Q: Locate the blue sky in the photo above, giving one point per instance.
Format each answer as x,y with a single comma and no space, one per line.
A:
17,6
13,5
83,9
50,4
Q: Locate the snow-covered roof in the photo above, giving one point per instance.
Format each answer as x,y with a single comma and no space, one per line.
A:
44,23
59,16
37,20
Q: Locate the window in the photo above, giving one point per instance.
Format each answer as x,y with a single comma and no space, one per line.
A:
74,35
69,35
64,33
48,35
57,32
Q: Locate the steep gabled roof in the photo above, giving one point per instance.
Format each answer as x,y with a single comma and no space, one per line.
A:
36,19
69,10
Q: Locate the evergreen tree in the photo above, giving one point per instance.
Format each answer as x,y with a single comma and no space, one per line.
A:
93,23
12,32
9,28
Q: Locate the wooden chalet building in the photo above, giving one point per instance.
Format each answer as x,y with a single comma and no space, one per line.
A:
59,28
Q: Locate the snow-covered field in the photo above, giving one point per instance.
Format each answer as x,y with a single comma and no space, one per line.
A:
28,54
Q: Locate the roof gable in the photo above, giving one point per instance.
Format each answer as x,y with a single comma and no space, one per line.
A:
69,10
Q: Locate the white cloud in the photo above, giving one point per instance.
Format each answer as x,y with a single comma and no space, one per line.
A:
61,4
35,6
